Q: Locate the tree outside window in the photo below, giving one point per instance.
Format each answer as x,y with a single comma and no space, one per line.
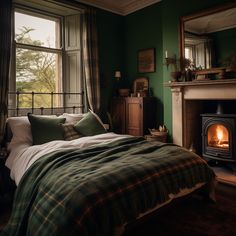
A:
38,57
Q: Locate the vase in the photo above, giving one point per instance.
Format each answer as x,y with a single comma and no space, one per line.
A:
176,75
188,75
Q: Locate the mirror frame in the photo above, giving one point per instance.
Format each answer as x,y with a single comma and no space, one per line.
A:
202,13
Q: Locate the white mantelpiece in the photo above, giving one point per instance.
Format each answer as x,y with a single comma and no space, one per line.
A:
185,108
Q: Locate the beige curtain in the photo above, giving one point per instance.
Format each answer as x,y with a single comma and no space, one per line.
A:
5,53
90,59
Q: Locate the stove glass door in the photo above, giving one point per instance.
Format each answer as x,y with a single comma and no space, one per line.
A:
218,136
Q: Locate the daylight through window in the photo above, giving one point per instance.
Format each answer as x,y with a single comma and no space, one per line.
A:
38,57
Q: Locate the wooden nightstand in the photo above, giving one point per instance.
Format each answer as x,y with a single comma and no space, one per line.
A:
133,115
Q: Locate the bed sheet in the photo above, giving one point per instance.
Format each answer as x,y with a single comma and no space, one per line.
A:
22,156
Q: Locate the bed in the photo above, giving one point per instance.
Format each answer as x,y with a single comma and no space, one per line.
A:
91,181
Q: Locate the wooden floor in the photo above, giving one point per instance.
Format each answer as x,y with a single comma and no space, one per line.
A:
192,216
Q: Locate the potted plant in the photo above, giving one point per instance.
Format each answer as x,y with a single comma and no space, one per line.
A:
181,67
188,69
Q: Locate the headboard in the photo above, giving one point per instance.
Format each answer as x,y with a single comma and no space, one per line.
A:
15,109
63,101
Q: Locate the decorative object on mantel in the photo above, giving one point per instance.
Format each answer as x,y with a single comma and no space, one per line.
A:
159,134
215,73
182,67
205,74
200,83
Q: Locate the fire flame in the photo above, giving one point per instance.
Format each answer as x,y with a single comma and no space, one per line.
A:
218,136
219,133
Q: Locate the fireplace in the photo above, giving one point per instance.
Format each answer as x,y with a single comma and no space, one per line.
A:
189,101
219,138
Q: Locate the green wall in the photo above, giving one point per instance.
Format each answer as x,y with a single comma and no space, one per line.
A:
156,26
143,29
111,53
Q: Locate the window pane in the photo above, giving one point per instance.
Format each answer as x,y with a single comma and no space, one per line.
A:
36,30
38,72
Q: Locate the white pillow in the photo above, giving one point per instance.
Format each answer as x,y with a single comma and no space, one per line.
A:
21,130
72,117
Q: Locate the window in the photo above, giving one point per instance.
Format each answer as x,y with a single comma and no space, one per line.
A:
189,53
199,50
38,57
47,55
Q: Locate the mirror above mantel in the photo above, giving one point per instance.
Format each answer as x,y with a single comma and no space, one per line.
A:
207,38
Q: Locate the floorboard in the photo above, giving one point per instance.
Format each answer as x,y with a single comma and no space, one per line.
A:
194,217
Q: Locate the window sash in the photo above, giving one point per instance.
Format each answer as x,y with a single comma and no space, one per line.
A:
44,15
38,48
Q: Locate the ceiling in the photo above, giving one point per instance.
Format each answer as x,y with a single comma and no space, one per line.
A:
212,23
121,7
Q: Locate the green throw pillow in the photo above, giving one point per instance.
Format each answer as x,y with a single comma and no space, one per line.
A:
45,129
90,125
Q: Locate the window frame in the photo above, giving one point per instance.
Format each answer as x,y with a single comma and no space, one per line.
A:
59,51
59,11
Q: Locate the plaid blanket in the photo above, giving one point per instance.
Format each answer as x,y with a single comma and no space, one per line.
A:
92,190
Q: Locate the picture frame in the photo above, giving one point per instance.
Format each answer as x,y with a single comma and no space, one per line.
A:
141,86
146,60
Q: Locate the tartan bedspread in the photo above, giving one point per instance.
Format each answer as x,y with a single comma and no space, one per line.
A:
92,190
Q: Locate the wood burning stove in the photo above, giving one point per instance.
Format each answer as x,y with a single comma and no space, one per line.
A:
219,138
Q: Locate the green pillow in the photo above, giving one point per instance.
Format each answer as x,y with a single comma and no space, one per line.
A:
90,125
45,129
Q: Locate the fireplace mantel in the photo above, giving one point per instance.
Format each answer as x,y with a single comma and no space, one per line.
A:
183,93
